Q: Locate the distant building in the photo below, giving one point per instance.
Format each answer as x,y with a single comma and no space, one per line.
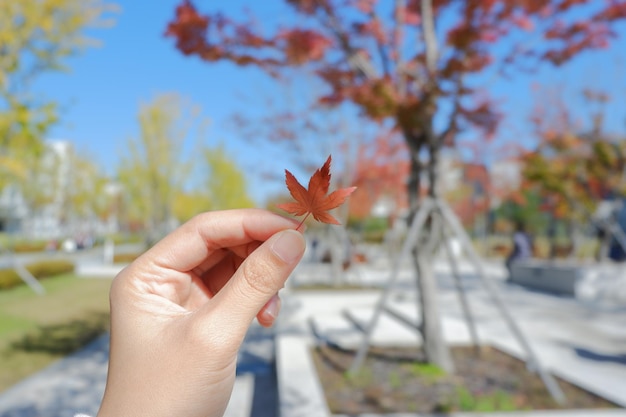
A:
13,209
506,177
50,219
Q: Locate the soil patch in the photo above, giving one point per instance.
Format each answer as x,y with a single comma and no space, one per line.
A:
396,380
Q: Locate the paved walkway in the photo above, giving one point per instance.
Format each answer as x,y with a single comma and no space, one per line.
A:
76,383
583,342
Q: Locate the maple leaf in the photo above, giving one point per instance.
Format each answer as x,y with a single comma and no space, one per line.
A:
315,199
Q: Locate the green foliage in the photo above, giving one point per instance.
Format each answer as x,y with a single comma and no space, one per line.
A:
9,278
86,194
574,172
25,246
125,258
422,369
225,182
153,171
41,269
71,308
44,269
371,229
361,378
64,338
497,401
530,212
36,37
395,380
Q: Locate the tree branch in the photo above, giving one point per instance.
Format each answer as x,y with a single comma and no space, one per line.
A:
384,59
397,42
453,125
430,37
356,60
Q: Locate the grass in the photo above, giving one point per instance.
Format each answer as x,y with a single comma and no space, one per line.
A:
497,401
38,330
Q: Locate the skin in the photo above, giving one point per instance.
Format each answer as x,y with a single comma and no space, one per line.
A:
180,312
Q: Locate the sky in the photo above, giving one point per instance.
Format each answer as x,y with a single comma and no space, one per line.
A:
101,94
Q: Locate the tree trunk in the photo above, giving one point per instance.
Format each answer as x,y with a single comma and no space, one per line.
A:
435,348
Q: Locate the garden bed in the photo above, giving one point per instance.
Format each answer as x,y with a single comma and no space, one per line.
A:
396,380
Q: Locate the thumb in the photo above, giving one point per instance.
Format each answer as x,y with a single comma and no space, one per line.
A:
260,276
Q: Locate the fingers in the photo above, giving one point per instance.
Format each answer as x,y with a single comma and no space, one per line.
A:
199,241
269,312
257,280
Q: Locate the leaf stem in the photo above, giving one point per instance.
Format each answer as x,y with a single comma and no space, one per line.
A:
302,222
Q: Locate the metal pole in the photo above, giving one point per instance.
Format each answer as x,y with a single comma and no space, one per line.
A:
28,278
467,311
409,244
548,380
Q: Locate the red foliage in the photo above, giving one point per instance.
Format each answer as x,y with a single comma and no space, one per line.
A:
477,201
381,173
381,91
302,46
315,199
376,62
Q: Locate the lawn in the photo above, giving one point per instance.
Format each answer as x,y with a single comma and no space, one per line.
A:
38,330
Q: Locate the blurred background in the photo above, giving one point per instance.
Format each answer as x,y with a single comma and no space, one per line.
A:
120,121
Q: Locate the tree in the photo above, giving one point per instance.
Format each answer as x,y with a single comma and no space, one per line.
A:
380,174
295,128
36,36
153,171
85,197
573,168
222,186
225,183
413,62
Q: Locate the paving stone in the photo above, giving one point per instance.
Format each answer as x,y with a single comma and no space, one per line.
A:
582,342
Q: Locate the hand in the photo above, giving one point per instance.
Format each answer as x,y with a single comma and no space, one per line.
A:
179,312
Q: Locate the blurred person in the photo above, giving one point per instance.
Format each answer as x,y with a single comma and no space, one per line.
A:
180,311
616,251
522,246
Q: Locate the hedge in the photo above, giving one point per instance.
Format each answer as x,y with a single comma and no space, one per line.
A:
41,269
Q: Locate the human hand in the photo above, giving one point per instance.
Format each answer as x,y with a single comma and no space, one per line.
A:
179,312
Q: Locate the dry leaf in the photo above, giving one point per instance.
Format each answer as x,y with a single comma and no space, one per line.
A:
315,200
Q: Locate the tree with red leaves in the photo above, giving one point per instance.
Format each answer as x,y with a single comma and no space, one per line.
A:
410,61
380,173
574,169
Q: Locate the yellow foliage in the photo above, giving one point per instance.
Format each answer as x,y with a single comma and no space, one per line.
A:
36,36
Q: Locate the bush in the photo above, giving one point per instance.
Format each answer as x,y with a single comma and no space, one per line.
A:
125,258
29,246
9,278
40,270
44,269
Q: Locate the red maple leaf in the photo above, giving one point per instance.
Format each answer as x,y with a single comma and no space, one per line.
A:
315,200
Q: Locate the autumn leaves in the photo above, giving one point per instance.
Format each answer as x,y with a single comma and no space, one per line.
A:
315,199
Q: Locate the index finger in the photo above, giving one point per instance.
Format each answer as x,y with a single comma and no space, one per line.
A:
193,242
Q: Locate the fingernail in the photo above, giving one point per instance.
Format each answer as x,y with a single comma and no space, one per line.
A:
273,306
289,246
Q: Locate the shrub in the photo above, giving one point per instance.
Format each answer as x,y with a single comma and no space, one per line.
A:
29,246
9,278
40,269
125,258
48,268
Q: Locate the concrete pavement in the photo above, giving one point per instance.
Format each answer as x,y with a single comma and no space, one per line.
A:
76,383
584,343
580,341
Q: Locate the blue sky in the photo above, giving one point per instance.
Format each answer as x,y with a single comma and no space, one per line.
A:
101,94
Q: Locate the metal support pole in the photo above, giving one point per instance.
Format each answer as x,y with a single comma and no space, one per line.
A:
547,378
28,278
409,244
467,311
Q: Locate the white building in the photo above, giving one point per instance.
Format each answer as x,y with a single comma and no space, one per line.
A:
51,182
